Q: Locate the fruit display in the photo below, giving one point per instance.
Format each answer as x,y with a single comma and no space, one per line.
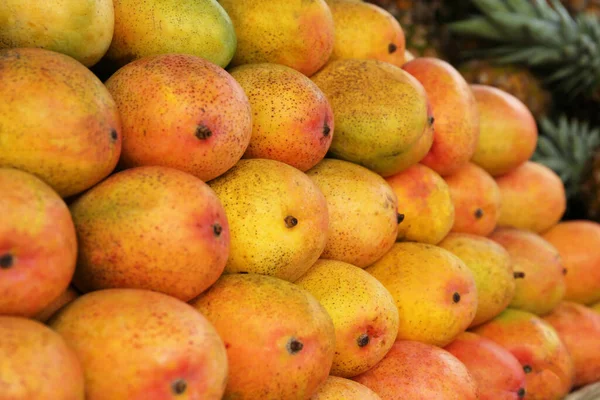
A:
297,200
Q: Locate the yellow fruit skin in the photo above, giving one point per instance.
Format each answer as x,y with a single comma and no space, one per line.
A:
292,120
37,363
259,318
277,216
434,291
381,113
491,266
363,212
336,388
424,201
300,37
152,27
366,31
360,306
80,29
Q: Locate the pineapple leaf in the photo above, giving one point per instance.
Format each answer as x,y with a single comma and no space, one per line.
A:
488,6
478,27
563,140
544,10
523,8
547,148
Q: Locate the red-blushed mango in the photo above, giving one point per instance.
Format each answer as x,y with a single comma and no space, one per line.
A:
424,202
38,244
578,243
579,329
548,367
137,343
455,111
65,298
538,270
414,370
507,134
366,31
335,388
277,216
363,212
497,373
476,198
596,307
280,341
37,363
183,112
532,197
363,312
152,228
492,270
301,36
434,291
64,128
292,120
382,115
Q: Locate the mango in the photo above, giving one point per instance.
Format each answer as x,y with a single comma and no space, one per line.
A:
424,202
434,291
381,114
152,228
508,131
38,244
183,112
64,128
335,388
362,209
136,343
300,37
277,216
366,31
548,367
414,370
37,363
292,120
280,341
82,30
492,270
476,198
363,311
455,111
578,243
579,329
538,269
195,27
62,300
532,197
498,374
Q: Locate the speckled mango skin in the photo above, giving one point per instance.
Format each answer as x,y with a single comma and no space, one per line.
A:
414,370
363,212
80,29
135,344
424,200
476,198
497,373
507,131
455,111
64,128
366,31
37,232
578,243
62,300
258,316
543,286
183,112
381,113
533,198
358,305
336,388
536,344
292,120
579,329
300,37
150,228
423,279
37,363
152,27
492,270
